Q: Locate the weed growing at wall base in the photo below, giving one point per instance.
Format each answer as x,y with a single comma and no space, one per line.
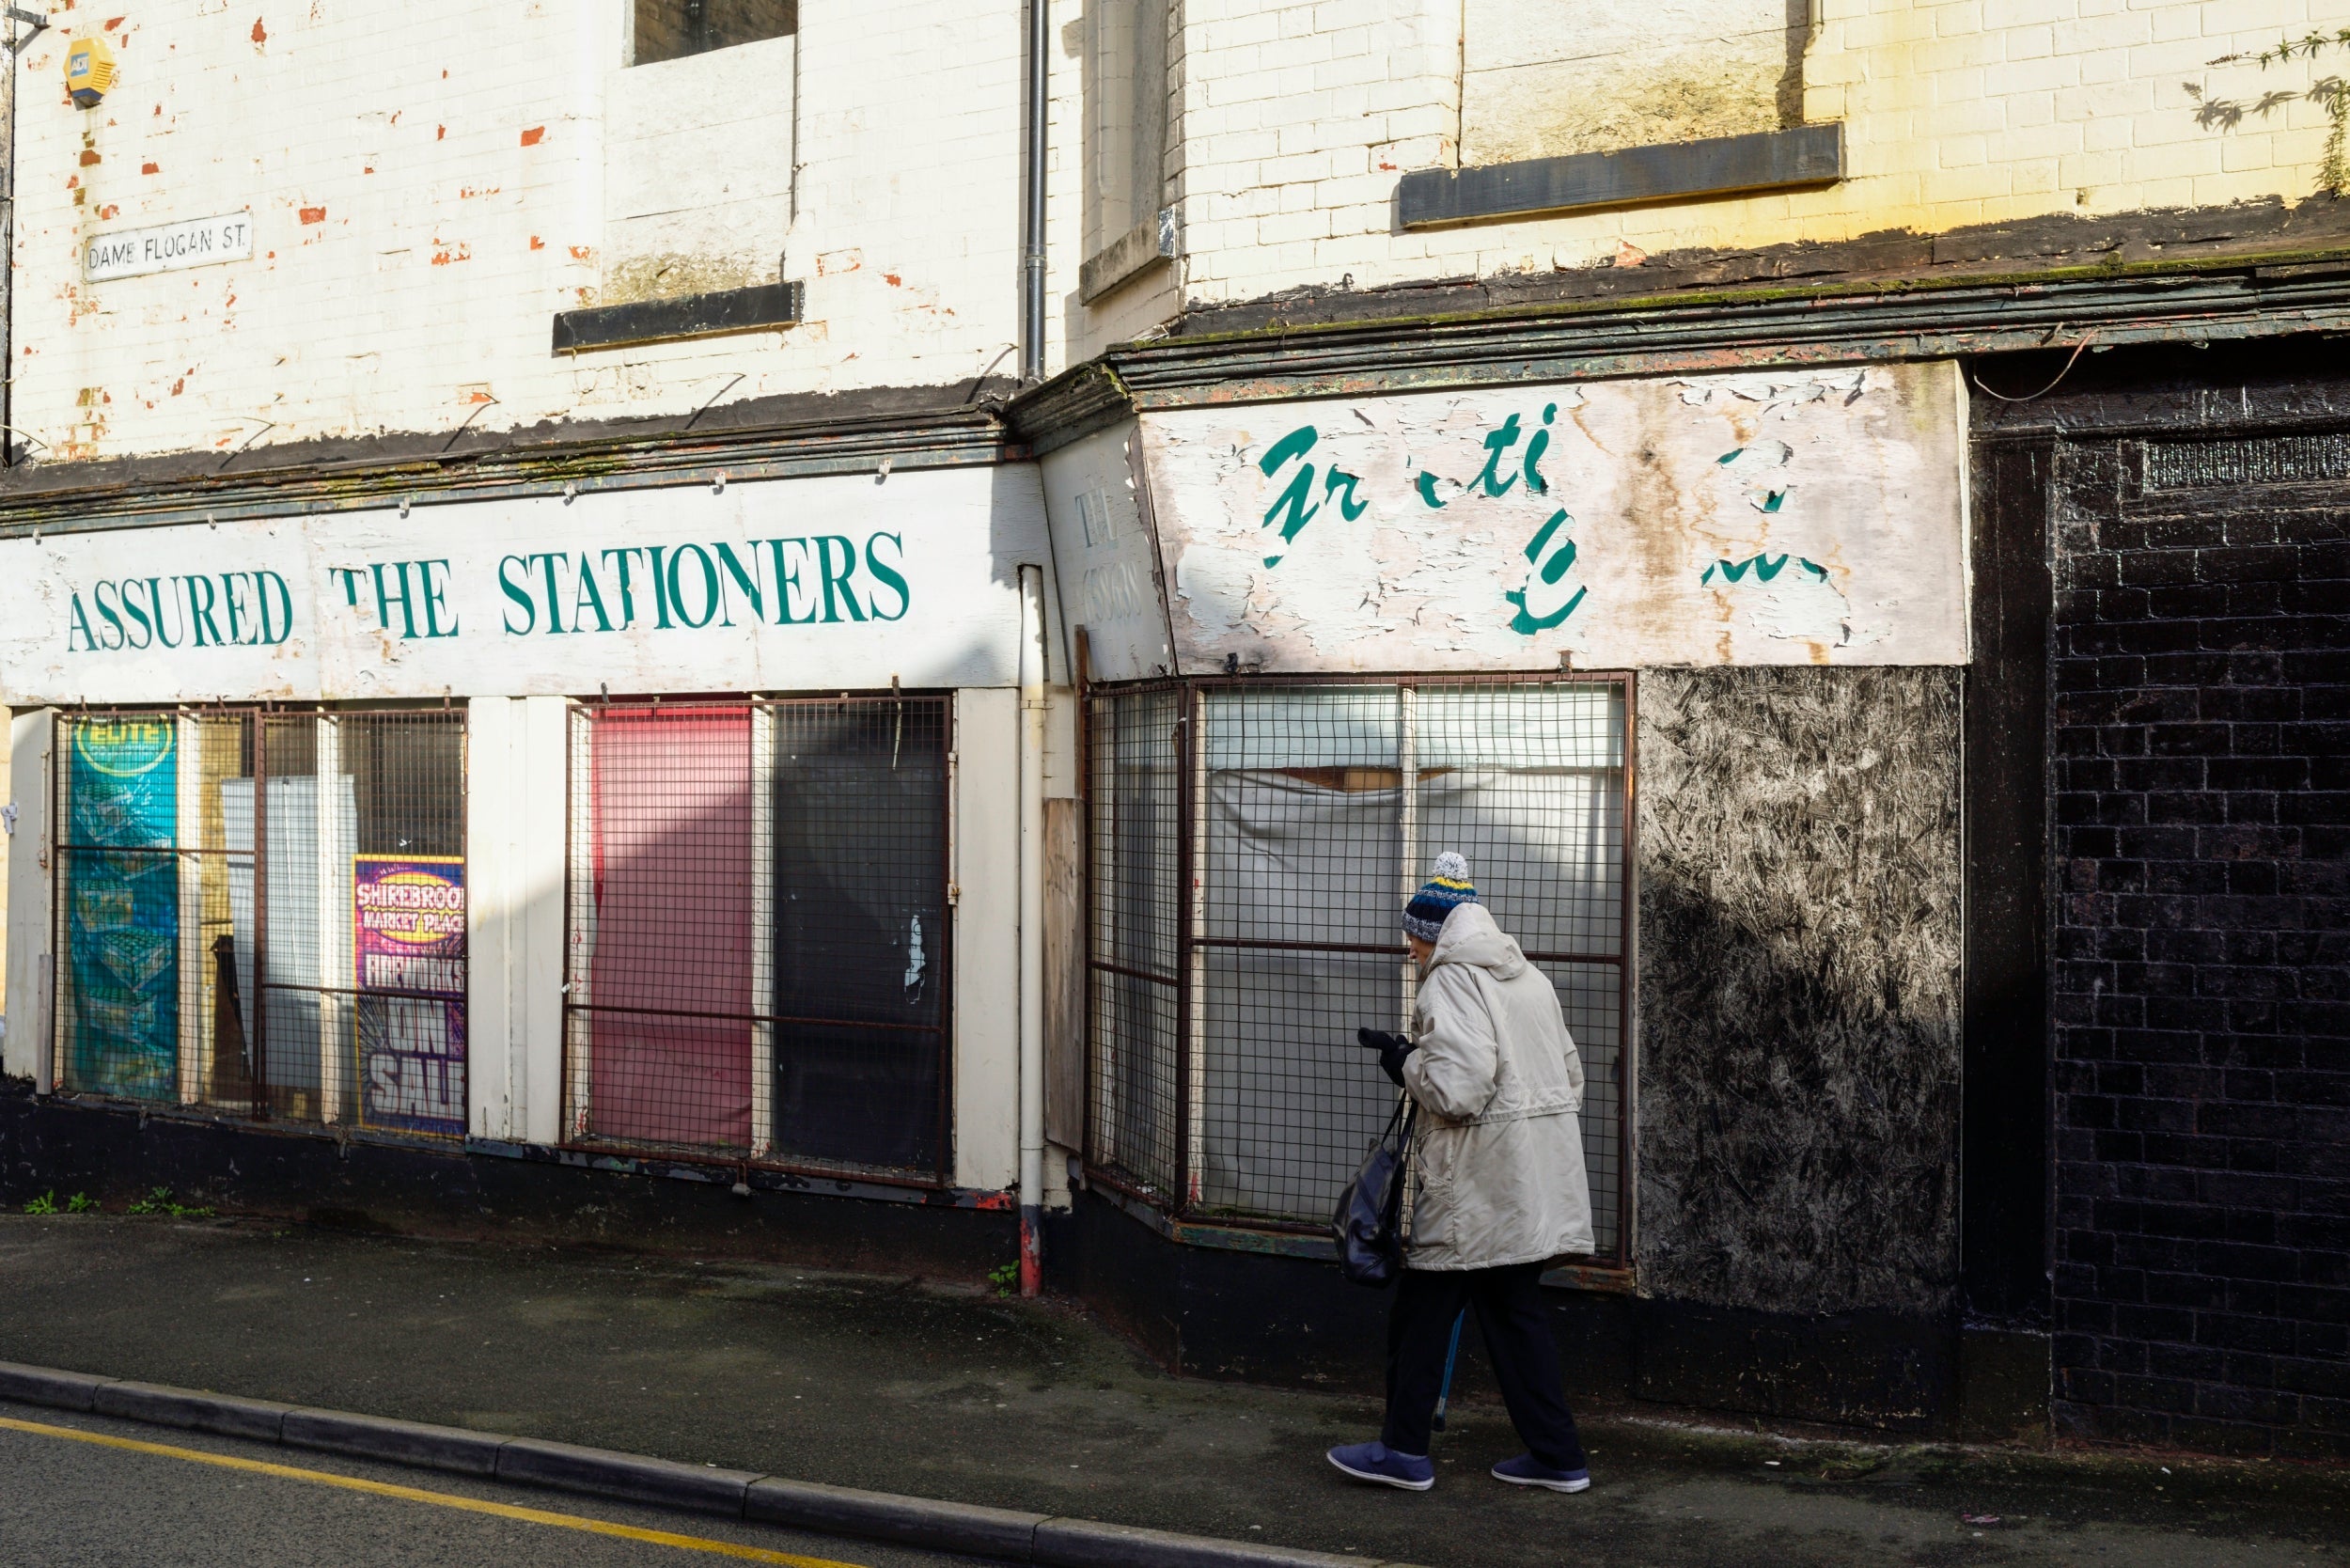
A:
158,1201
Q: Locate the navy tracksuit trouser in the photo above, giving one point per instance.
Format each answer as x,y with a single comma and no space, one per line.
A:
1525,1357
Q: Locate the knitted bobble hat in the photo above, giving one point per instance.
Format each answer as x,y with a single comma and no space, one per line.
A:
1445,892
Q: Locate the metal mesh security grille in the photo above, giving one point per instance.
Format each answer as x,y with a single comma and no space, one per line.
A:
264,911
757,944
1251,846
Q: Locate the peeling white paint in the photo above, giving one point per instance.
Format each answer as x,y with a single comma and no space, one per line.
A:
1788,517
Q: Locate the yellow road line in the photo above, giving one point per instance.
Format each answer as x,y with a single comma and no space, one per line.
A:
439,1499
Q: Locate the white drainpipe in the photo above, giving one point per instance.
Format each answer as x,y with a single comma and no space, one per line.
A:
1031,925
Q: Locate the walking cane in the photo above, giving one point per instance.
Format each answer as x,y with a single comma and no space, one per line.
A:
1444,1393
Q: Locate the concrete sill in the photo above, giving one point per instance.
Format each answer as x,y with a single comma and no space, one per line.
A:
1127,258
761,308
1719,165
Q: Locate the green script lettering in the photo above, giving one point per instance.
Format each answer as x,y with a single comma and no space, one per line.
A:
434,599
131,609
889,574
746,581
838,579
77,620
228,581
787,585
384,605
97,596
200,619
555,626
520,594
590,595
712,600
628,595
273,631
660,590
155,601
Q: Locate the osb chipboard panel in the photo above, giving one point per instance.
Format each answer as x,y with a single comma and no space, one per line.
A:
1799,926
1796,517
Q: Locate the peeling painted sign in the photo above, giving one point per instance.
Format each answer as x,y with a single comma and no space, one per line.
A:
167,247
1103,553
783,586
1799,516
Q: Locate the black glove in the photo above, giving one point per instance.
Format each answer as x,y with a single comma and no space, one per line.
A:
1392,1049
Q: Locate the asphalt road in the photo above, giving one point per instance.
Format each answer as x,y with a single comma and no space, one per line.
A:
71,1502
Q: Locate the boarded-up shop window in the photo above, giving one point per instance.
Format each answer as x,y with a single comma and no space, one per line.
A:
265,912
671,29
758,930
698,158
1126,92
1252,846
1542,78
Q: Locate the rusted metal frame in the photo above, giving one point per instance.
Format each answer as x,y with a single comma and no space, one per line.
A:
941,1175
1725,329
360,990
725,1017
1188,1001
1081,681
315,487
1117,1179
1375,949
1626,972
259,722
1421,683
118,849
950,746
729,1157
60,799
1109,968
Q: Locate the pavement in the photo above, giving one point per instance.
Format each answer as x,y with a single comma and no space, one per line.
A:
167,1499
940,1389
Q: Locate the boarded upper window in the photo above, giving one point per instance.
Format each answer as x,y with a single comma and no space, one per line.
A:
671,29
1543,78
1126,85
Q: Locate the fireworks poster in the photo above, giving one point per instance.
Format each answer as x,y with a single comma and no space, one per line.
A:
409,944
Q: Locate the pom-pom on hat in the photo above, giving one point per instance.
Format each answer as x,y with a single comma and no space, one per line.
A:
1445,892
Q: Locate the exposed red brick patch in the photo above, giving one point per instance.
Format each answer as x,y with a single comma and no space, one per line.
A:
893,280
179,386
260,34
112,22
151,168
579,253
108,211
440,133
536,244
533,136
314,214
90,156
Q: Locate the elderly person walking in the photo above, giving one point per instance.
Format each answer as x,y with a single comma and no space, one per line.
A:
1499,1187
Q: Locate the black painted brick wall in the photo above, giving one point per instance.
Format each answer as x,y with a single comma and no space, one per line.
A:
2201,707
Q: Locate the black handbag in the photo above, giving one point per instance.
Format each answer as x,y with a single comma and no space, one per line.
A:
1368,1225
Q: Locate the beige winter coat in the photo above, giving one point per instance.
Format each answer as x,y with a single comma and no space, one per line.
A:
1499,1161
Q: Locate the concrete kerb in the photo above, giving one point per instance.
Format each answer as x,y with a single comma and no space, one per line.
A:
1000,1533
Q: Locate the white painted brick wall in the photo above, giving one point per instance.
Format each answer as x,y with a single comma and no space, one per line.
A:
426,181
1956,113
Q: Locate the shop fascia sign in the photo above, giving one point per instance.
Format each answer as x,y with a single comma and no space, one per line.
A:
789,584
1796,517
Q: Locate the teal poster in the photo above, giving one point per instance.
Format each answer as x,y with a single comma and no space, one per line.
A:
123,902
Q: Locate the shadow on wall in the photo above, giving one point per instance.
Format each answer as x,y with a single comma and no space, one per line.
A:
1799,928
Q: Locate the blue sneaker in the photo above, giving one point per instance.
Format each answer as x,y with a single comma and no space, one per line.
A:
1526,1471
1375,1461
